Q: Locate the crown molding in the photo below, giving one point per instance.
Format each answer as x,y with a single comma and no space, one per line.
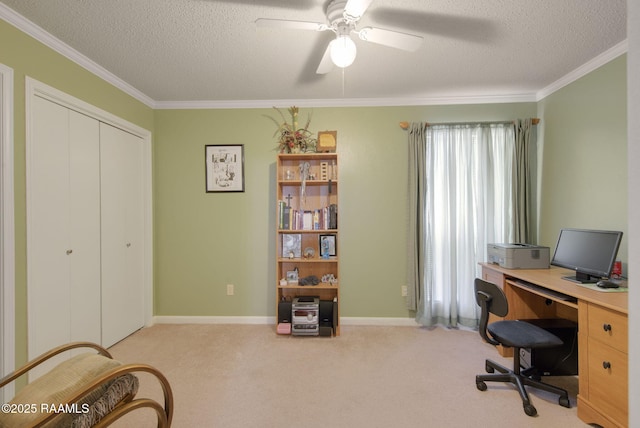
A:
44,37
608,55
67,51
347,102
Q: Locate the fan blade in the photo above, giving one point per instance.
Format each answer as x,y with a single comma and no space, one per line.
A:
326,65
294,25
356,8
394,39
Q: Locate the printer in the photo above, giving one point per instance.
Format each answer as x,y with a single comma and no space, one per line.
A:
518,256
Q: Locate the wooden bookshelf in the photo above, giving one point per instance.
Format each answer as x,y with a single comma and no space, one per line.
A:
307,226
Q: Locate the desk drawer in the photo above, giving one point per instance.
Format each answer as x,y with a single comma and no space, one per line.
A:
608,381
609,327
492,276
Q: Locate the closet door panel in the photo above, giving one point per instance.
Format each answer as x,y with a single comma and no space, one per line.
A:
48,228
122,234
134,228
84,214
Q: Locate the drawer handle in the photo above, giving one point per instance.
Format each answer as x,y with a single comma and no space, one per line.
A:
69,252
607,327
606,365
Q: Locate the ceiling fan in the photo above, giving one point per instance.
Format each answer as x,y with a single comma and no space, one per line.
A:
343,17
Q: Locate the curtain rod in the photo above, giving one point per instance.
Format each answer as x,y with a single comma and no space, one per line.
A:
405,125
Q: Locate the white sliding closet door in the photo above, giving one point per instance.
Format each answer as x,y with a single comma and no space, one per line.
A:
63,227
122,196
84,215
89,249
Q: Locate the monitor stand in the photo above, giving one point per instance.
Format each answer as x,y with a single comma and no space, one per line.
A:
582,278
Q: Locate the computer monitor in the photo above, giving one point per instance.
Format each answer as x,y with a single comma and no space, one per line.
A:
590,253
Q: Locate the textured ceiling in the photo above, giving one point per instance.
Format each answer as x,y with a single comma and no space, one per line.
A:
205,50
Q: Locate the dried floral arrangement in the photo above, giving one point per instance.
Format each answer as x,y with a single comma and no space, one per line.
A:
291,138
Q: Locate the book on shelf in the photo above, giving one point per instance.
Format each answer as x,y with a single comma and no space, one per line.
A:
333,216
324,218
307,220
286,218
281,206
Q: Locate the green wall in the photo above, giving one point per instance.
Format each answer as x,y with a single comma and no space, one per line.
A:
205,241
584,160
27,57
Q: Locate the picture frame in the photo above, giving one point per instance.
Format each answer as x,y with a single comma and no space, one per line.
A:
291,245
292,277
327,245
224,168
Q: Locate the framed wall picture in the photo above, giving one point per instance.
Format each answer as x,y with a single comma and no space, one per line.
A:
327,246
224,168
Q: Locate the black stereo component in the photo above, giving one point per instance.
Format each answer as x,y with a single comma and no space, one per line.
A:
327,326
284,312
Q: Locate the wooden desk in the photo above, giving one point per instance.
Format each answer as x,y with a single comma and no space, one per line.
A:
602,319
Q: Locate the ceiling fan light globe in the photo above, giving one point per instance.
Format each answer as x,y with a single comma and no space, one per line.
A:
343,51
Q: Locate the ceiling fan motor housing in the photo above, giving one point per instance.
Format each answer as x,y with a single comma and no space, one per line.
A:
335,12
341,23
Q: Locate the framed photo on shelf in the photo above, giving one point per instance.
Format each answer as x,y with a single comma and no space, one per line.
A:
224,168
327,246
292,245
292,277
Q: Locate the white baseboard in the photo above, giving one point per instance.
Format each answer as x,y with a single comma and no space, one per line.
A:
408,322
212,320
394,322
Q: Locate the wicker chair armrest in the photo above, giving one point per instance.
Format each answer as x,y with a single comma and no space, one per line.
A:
114,373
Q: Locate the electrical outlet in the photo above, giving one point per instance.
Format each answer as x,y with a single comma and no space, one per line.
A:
403,291
230,289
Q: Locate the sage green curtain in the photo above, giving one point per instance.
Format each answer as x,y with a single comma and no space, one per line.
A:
417,213
523,179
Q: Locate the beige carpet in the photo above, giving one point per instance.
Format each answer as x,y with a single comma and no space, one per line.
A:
237,376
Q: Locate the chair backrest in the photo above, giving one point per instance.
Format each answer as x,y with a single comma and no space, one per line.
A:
492,300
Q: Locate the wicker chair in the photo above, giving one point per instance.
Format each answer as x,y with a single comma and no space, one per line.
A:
87,390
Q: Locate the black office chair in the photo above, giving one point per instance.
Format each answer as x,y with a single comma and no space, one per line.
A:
514,334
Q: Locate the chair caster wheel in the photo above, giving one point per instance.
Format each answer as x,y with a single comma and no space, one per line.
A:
489,369
530,410
564,402
481,386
